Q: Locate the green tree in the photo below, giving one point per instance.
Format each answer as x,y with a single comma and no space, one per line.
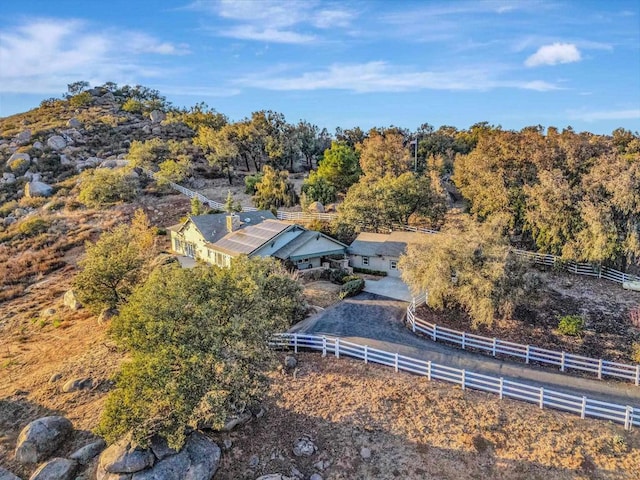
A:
384,153
173,170
196,207
76,88
103,186
339,166
200,115
379,204
311,141
198,340
274,190
114,264
220,147
318,189
467,265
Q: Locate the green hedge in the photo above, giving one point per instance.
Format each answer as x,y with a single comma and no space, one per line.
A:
571,325
379,273
352,288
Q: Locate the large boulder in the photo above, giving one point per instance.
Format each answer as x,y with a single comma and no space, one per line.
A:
124,457
7,475
37,189
8,178
316,207
19,161
304,447
56,469
71,300
41,438
74,123
198,460
23,137
56,142
85,454
76,384
157,116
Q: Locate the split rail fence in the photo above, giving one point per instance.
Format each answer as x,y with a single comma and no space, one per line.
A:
585,407
528,353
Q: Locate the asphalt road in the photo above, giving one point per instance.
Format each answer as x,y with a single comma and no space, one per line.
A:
378,321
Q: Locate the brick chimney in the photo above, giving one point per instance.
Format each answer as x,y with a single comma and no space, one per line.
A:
233,222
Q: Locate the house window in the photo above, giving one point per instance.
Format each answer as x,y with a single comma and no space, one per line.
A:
365,261
393,264
177,242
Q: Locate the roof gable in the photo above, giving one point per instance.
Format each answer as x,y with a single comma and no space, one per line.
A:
213,227
249,239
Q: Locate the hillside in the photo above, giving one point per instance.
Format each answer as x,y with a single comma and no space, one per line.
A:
410,428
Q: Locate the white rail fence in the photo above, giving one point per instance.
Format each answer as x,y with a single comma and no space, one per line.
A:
545,259
585,407
528,353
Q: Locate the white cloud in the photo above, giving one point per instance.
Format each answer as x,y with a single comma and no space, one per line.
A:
44,55
248,32
594,116
383,77
554,54
279,21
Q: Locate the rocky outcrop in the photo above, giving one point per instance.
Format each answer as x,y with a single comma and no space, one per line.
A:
71,300
56,469
56,142
198,460
41,438
290,362
37,189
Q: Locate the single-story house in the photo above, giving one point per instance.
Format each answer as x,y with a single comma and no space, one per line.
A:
218,238
381,251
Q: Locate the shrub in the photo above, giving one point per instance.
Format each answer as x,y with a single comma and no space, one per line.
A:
378,273
105,187
350,278
7,208
351,288
132,106
81,99
33,226
251,182
19,165
635,352
571,325
336,275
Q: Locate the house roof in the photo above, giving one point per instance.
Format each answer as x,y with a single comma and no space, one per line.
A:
391,244
289,250
251,237
214,227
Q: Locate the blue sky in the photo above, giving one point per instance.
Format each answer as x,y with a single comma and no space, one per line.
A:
346,63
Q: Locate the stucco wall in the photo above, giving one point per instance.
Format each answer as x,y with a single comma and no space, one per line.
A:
382,264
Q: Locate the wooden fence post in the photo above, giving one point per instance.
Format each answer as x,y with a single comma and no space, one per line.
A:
562,362
365,354
541,397
600,369
464,338
501,388
324,346
583,412
337,344
493,349
396,363
295,342
463,378
429,370
435,334
637,375
527,355
627,417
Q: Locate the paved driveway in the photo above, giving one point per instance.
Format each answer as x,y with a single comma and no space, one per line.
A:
389,287
378,321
